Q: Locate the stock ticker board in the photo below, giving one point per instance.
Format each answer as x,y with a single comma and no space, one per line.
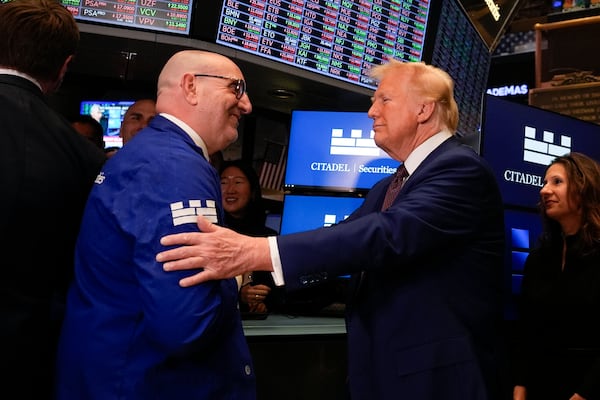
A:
341,39
156,15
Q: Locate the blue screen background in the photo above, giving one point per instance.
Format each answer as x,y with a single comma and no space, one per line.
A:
328,150
305,212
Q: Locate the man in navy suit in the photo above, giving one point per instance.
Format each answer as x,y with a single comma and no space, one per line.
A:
424,321
46,172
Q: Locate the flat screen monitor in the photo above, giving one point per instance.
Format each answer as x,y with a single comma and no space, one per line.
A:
110,115
340,39
522,229
172,16
511,76
520,141
459,50
303,212
331,150
490,18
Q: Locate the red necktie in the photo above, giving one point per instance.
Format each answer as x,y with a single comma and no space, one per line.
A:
395,186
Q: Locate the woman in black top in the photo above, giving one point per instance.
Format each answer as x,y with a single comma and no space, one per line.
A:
558,355
245,213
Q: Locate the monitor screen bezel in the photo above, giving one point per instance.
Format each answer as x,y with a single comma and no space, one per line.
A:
193,5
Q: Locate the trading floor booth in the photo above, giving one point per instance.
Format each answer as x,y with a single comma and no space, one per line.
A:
299,357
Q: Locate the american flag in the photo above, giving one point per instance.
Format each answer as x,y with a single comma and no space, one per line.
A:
273,168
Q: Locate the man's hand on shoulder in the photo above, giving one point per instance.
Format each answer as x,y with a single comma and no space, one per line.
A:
220,252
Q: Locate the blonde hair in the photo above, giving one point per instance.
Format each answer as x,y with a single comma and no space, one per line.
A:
429,82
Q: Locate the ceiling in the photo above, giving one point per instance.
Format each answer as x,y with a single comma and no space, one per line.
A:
112,66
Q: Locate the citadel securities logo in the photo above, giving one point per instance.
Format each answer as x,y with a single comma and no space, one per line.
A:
540,152
355,145
188,215
544,151
332,219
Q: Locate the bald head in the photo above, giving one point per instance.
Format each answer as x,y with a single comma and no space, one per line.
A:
194,61
201,89
136,118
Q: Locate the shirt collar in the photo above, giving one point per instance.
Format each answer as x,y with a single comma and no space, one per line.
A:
191,133
8,71
421,152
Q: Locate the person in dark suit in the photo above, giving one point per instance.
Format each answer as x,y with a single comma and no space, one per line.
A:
46,173
424,320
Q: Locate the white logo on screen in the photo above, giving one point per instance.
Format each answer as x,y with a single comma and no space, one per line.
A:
355,145
545,150
332,219
188,215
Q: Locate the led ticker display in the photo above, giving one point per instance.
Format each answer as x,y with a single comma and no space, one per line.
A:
337,38
155,15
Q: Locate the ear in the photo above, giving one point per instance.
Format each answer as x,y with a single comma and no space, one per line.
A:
426,111
190,88
65,66
52,86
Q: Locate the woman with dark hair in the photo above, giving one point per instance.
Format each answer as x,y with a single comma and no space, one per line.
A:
245,213
242,199
558,355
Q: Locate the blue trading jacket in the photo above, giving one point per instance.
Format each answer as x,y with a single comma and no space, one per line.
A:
131,332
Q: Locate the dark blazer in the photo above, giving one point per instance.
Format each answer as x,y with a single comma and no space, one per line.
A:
424,321
46,172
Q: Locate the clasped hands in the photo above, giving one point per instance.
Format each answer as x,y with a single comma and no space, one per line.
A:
254,296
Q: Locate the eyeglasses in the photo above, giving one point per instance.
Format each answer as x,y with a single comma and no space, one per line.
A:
239,85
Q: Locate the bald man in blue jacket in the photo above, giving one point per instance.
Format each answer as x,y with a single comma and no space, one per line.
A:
130,332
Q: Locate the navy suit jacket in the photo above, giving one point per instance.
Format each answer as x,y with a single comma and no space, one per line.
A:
46,172
424,320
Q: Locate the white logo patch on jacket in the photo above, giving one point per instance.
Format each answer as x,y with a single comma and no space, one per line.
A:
188,215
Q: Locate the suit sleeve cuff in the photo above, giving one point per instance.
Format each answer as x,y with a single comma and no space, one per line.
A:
276,262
